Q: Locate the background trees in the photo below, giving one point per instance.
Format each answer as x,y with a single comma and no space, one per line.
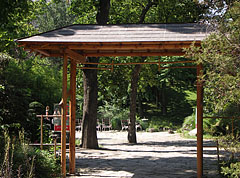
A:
220,55
162,94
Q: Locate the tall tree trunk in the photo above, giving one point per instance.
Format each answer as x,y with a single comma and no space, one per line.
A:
135,75
140,106
164,102
89,134
133,96
90,84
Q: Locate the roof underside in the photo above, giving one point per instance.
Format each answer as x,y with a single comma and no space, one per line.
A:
116,40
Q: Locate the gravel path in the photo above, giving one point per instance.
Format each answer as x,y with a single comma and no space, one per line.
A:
157,155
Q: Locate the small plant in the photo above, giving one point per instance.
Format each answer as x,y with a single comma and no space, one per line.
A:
233,170
230,167
22,161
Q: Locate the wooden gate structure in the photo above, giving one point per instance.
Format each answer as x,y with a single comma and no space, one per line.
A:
77,42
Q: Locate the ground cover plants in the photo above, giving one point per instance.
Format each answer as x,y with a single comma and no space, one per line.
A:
18,159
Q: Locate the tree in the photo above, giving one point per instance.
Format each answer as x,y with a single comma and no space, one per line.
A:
220,54
90,84
167,8
15,18
53,14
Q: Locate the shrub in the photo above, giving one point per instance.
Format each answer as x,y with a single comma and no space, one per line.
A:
189,123
233,170
230,167
21,160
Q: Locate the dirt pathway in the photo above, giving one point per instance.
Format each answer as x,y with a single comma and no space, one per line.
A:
157,155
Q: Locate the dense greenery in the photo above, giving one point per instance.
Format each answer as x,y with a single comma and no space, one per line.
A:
19,160
165,97
220,56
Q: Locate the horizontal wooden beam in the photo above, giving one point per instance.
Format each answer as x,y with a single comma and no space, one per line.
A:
141,54
118,46
66,44
179,67
115,54
219,117
134,63
95,68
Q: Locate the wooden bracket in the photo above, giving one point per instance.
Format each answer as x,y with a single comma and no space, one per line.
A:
75,56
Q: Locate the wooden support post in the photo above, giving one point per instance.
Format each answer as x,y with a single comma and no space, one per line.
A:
55,148
199,121
218,157
41,139
72,117
63,116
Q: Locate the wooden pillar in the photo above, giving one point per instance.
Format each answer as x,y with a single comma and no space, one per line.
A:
199,121
41,138
63,116
72,117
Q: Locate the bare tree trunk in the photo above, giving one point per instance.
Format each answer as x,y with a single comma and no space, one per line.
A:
89,135
140,105
90,84
135,76
164,102
133,96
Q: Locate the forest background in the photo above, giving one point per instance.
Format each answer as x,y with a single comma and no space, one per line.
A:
28,82
165,98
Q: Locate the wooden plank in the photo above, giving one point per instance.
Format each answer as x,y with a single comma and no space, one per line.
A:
50,115
129,46
58,45
220,117
95,68
199,121
179,67
72,117
141,63
114,54
63,117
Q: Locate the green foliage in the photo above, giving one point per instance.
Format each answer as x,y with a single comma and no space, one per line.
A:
230,167
114,113
57,14
15,18
19,160
220,56
189,122
24,82
229,143
233,170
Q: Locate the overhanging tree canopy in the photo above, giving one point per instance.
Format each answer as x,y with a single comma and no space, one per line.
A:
80,41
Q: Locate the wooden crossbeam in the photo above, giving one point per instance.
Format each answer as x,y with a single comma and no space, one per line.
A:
141,54
141,63
95,68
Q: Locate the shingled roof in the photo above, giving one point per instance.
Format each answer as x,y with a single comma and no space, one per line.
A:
118,40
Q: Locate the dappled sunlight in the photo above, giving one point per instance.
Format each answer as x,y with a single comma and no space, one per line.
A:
157,154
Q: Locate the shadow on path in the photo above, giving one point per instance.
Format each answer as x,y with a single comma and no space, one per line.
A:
147,159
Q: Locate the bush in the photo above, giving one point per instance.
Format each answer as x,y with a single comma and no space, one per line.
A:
189,123
19,160
230,167
233,170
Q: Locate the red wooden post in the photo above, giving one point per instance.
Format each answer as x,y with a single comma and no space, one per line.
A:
63,116
72,117
41,139
199,121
